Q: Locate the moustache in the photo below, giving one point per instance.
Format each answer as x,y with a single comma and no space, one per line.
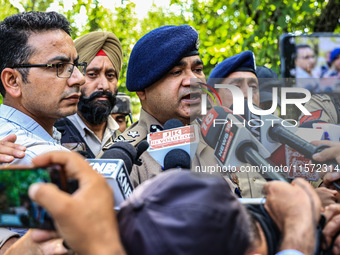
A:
97,94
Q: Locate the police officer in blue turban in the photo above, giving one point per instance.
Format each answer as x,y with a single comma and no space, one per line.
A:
238,70
165,71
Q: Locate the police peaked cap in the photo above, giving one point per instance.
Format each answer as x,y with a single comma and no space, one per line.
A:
157,52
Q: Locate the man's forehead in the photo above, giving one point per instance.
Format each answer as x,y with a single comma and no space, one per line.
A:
241,75
98,62
305,49
53,45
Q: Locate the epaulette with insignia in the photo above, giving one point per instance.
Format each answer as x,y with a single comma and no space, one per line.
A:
134,135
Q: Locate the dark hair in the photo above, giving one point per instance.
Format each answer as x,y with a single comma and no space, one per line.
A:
15,31
301,46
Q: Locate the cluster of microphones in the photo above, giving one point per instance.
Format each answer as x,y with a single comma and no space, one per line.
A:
264,141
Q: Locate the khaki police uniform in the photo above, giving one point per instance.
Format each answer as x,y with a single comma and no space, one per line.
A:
322,107
150,167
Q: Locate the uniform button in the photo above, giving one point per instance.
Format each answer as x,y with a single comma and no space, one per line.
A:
254,179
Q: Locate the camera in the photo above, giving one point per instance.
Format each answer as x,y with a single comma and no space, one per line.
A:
17,210
310,61
258,213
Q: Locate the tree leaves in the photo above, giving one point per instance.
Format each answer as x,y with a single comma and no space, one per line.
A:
225,27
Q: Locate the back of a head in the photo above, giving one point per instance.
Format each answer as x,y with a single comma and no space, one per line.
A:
15,31
267,78
181,212
265,72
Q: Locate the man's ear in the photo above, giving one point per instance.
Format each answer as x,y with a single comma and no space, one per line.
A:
141,95
10,79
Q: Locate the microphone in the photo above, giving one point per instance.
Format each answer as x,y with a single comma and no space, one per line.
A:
273,135
173,123
124,151
115,166
177,158
174,136
141,147
235,144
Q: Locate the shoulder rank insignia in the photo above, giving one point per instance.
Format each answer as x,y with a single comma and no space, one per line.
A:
133,134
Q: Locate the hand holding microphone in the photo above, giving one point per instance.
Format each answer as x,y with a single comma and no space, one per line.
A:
330,180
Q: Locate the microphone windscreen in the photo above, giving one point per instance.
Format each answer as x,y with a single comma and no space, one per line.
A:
177,158
173,123
142,146
124,151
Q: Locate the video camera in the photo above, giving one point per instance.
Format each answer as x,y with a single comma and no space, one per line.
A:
309,61
257,212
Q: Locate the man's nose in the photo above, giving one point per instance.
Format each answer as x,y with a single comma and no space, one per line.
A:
103,83
192,80
77,78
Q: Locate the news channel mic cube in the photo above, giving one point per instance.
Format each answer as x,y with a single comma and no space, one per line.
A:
185,138
116,175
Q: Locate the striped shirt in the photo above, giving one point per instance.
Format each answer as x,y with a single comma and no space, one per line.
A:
29,133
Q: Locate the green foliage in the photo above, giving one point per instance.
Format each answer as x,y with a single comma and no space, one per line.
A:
225,27
7,9
229,27
36,5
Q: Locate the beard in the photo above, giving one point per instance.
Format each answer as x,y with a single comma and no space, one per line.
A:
96,112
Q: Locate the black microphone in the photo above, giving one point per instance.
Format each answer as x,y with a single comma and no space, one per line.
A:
172,123
177,158
272,134
141,147
124,151
235,144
